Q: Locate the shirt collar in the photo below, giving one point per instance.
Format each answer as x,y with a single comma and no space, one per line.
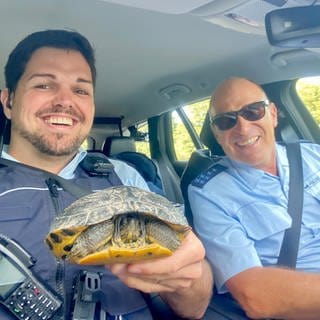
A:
253,176
67,172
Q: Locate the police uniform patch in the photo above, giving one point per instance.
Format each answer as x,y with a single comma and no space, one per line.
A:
205,176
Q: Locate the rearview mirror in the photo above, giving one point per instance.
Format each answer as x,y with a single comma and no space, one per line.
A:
295,27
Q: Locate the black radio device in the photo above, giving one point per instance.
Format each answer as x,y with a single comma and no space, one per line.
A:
21,292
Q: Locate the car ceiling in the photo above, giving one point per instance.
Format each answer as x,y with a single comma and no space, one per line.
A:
154,55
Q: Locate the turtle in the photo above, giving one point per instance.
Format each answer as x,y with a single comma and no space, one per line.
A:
118,224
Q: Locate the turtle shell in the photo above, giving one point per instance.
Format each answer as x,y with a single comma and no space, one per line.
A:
118,224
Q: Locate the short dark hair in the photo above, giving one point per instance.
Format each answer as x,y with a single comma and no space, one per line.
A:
60,39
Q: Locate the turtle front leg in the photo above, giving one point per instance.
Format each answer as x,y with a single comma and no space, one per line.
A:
159,232
94,238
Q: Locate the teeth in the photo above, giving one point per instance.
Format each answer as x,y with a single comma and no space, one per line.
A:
248,142
59,120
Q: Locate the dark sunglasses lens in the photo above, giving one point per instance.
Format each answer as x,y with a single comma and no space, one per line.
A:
254,112
225,121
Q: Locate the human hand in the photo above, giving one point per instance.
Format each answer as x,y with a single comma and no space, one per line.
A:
169,274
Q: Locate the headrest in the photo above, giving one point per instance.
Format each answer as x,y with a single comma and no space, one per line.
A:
208,139
116,144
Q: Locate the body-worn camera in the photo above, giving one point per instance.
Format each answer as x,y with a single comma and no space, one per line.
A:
21,292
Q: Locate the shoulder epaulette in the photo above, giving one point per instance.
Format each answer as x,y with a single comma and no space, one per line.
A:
208,174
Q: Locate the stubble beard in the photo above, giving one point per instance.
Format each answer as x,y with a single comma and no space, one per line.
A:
53,145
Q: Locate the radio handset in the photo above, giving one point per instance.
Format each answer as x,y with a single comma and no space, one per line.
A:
21,292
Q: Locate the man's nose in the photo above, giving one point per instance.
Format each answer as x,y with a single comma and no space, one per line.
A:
242,124
64,97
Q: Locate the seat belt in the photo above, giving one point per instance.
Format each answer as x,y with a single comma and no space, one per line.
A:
290,244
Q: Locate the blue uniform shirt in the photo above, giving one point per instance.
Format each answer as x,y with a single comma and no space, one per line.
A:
240,213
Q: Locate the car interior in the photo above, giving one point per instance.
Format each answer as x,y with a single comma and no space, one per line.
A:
154,58
158,62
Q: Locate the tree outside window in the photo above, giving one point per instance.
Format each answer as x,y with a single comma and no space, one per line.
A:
308,90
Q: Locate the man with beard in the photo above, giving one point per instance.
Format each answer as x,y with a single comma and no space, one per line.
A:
49,100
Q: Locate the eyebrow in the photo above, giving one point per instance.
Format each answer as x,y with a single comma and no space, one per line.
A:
49,75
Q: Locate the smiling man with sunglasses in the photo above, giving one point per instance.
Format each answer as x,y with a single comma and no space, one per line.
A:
243,121
251,112
239,208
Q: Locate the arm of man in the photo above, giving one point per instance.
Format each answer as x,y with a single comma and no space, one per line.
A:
192,301
192,297
271,292
184,280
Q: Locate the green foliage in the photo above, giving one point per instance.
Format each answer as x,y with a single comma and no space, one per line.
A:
197,112
309,93
183,144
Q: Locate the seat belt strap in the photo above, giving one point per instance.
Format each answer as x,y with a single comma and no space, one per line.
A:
290,244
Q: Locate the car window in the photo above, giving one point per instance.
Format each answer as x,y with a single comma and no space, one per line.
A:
89,143
196,113
143,145
182,140
308,90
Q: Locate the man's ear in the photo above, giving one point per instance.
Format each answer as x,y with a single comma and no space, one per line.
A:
6,102
215,133
274,114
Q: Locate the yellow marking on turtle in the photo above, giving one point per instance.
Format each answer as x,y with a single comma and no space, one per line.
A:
123,255
58,249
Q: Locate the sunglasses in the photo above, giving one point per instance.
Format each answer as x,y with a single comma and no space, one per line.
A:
251,112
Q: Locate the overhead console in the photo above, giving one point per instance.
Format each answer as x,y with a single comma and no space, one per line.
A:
241,15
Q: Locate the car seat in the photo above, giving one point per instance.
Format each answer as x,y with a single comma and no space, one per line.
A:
199,161
116,144
123,148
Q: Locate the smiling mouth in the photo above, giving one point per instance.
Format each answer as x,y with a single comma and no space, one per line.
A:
58,120
248,142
